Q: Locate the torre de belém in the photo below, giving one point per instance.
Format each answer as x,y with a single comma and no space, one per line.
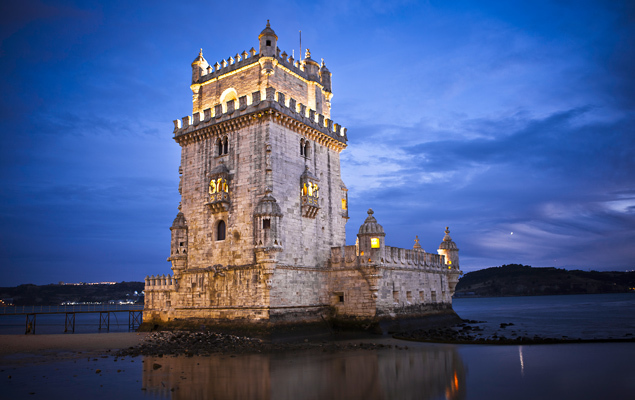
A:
260,235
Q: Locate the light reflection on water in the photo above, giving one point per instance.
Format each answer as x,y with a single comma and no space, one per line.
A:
434,372
586,371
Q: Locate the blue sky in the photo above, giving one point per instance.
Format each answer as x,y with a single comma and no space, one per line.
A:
490,117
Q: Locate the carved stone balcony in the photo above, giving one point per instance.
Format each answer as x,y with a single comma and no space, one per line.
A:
219,202
310,206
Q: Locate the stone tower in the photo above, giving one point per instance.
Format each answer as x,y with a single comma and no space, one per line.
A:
262,199
260,232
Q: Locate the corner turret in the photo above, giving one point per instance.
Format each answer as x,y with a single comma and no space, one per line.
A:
325,77
178,253
448,249
371,240
311,67
199,67
268,42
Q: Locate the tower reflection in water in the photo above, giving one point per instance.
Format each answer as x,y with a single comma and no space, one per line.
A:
434,372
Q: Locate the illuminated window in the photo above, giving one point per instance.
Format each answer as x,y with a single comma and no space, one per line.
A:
343,204
374,243
218,185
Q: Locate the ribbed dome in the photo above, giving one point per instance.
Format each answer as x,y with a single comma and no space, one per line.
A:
323,68
199,59
370,226
179,221
268,206
447,243
267,31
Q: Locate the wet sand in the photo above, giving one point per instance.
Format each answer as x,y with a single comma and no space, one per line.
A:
30,348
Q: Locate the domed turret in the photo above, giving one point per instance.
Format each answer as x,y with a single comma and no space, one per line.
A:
311,67
370,239
325,77
199,67
448,249
178,251
267,216
268,41
370,226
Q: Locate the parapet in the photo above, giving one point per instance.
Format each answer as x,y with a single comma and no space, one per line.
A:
395,257
160,283
275,103
244,59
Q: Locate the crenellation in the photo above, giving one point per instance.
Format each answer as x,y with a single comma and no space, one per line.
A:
242,100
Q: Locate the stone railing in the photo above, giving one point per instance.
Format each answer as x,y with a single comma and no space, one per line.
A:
160,283
251,103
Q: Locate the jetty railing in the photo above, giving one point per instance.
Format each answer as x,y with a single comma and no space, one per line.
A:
58,309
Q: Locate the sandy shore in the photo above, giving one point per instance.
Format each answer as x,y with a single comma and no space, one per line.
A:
14,348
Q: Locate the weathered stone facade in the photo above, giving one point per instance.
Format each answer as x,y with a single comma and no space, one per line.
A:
260,235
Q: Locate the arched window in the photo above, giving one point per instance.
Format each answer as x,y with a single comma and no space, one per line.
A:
304,148
222,146
220,230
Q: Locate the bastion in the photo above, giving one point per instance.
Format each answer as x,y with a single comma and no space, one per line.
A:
259,239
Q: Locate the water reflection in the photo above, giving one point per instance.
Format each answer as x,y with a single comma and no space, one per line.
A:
434,372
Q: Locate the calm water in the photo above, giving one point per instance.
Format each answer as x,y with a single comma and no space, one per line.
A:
574,316
422,371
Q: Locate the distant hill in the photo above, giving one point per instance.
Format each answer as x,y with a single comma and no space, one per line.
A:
524,280
57,294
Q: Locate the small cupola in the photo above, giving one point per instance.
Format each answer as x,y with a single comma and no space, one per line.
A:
448,249
311,67
370,239
268,41
448,243
199,67
370,226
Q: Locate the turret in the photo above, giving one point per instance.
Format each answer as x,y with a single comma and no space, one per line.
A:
268,42
325,77
199,67
370,240
448,249
178,251
311,67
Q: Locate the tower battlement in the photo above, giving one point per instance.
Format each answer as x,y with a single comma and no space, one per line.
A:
276,104
306,81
